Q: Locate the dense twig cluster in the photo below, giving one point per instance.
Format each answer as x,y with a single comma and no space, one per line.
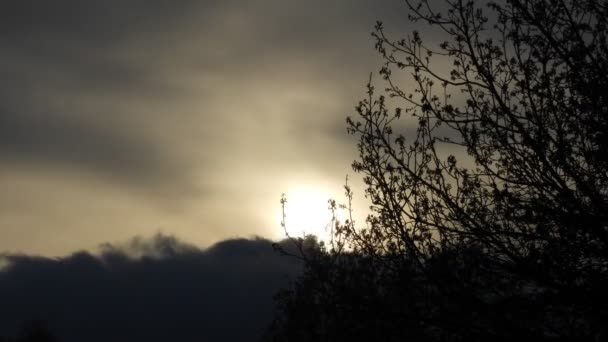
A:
508,235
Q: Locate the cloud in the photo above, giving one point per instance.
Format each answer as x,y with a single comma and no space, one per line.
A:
67,141
158,289
100,85
130,115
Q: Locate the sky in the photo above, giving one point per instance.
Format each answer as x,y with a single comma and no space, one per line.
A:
144,149
124,118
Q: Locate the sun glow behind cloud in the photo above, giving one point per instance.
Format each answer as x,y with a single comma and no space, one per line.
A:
307,212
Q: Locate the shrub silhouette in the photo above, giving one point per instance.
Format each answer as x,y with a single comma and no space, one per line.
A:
36,331
33,331
490,220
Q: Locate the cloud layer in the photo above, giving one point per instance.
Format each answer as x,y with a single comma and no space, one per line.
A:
156,289
190,118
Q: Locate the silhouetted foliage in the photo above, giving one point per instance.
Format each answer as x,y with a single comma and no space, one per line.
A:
36,331
490,221
33,331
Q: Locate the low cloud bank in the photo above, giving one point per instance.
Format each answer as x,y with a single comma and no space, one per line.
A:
157,289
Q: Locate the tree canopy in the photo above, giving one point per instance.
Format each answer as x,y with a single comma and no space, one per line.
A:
490,219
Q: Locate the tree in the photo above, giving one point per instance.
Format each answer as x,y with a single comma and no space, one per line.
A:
33,331
36,331
495,211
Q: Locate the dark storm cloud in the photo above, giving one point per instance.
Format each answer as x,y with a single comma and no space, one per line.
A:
148,290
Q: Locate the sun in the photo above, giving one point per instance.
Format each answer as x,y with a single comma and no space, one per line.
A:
307,213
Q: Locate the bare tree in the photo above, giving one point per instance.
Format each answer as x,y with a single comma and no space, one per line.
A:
499,200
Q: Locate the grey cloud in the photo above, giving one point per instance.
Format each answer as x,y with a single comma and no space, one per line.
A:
156,289
37,138
91,21
66,50
182,95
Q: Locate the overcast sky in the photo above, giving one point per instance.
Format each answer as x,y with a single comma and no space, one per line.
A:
122,118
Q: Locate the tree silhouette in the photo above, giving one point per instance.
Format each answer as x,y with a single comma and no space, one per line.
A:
491,219
36,331
33,331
